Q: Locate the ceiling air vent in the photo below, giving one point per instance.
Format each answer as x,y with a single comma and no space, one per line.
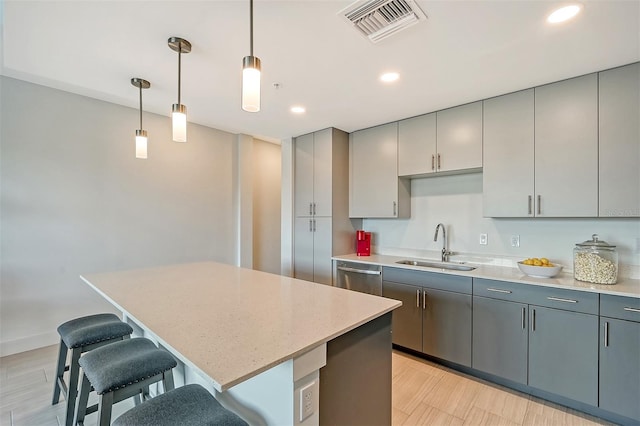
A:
379,19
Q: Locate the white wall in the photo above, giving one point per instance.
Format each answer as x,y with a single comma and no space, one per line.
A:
266,206
75,200
456,201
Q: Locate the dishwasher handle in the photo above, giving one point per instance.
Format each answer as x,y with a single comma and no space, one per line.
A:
359,271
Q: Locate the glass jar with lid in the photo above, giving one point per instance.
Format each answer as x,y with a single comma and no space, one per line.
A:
595,261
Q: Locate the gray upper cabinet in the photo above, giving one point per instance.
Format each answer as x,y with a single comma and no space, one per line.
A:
619,141
303,176
312,174
566,148
374,188
459,138
620,355
508,156
417,145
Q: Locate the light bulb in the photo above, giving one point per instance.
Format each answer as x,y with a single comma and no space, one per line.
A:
141,144
179,119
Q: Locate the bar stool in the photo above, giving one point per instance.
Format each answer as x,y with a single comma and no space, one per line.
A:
189,405
119,371
82,335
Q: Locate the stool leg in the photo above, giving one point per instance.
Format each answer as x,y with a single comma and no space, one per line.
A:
167,381
104,409
81,405
74,372
62,362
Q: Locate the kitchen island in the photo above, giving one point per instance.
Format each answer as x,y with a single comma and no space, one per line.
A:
256,340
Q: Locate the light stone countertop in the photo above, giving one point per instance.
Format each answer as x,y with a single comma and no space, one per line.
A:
233,323
624,286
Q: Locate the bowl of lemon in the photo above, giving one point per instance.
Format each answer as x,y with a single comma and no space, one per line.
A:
539,267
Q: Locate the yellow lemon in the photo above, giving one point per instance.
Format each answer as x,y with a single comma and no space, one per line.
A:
544,260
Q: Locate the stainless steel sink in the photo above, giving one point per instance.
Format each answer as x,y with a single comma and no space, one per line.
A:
441,265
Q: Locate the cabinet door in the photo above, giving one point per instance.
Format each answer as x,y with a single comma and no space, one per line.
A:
566,152
459,137
563,353
500,338
303,248
322,167
322,267
446,325
407,319
619,146
417,145
507,172
303,175
620,367
373,159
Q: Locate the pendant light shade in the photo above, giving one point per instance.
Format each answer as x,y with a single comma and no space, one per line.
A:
251,73
179,111
141,135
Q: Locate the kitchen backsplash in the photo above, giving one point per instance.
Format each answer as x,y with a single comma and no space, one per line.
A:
456,201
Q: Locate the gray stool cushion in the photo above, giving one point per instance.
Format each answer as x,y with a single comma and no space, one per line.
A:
123,363
92,329
189,405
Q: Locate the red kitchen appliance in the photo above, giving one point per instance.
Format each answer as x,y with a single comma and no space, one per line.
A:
363,243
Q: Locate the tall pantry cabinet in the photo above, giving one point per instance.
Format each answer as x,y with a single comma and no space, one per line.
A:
322,227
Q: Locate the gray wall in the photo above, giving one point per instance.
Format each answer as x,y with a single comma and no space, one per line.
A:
75,200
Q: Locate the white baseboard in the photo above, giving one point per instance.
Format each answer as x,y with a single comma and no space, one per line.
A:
24,344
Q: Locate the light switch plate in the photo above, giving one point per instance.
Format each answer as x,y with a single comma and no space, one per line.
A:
515,241
484,239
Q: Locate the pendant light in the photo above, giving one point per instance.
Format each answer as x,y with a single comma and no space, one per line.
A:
179,111
141,135
251,73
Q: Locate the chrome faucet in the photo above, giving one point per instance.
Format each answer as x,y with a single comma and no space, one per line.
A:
445,252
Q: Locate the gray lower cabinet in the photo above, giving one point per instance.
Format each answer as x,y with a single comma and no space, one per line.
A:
407,319
620,355
563,353
435,317
500,338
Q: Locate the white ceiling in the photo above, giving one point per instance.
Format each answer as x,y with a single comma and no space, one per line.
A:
466,51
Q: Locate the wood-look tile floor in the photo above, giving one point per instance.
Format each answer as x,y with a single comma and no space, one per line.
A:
424,393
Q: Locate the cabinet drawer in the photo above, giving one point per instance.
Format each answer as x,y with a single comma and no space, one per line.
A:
435,280
569,300
621,307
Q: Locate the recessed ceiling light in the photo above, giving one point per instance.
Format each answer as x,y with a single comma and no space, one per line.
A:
389,77
298,109
564,13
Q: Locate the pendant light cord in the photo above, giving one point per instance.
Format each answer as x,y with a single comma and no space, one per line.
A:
140,88
251,27
179,67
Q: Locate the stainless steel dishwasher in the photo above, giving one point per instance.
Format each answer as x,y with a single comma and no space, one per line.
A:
360,277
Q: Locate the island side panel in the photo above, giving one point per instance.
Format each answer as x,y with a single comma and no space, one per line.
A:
355,385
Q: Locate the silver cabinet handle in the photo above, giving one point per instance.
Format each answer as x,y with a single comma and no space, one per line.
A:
497,290
524,318
631,309
433,162
558,299
359,271
539,208
438,161
310,209
394,208
424,299
606,334
530,199
314,209
533,320
314,225
417,298
310,225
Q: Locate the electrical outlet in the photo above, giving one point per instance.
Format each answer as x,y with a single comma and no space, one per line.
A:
484,239
307,400
515,241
